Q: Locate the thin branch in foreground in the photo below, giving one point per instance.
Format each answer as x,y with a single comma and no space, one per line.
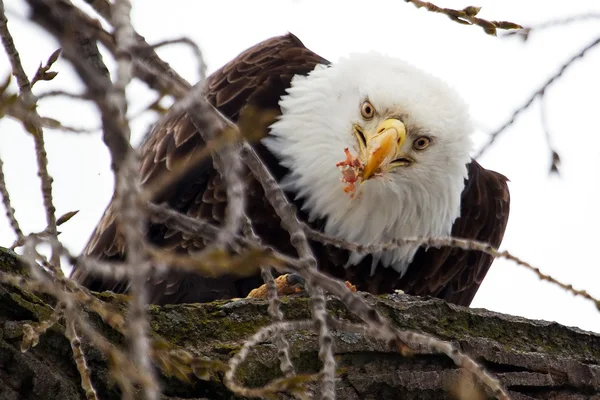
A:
181,167
538,93
32,332
384,330
79,357
283,347
62,93
464,244
10,211
43,283
34,126
354,303
226,161
467,16
18,111
554,157
130,214
289,221
296,383
195,49
525,33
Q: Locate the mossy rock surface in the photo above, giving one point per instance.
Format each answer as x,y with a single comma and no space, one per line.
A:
533,359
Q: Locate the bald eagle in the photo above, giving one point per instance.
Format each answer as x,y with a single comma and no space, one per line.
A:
369,149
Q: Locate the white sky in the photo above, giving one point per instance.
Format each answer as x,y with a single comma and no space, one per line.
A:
553,221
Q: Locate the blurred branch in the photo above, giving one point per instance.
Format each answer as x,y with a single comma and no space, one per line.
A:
130,214
526,31
79,357
538,93
33,125
195,49
62,93
554,157
286,211
10,211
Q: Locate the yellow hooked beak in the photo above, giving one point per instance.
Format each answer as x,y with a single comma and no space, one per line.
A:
383,146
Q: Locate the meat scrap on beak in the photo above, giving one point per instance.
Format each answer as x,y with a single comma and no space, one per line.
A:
352,170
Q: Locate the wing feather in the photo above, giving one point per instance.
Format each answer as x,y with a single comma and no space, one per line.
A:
454,274
258,77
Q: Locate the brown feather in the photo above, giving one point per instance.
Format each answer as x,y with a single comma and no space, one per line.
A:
258,77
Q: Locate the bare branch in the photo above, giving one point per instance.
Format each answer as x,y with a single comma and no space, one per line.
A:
195,48
128,200
62,93
467,16
538,93
465,244
79,356
283,347
287,213
10,211
32,333
296,383
209,123
554,157
34,126
526,31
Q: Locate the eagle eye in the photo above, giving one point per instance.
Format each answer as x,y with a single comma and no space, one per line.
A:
367,110
421,143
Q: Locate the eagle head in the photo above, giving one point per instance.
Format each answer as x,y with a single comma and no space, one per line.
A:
377,148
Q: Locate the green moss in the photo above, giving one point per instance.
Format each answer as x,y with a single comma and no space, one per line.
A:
451,323
10,263
211,322
227,349
31,303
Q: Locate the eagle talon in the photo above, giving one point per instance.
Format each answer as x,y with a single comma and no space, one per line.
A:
286,284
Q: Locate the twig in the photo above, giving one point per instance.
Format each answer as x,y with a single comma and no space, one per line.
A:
147,65
68,301
32,332
554,157
18,111
287,213
79,357
10,211
165,354
62,93
283,347
297,383
195,48
538,93
226,161
553,23
280,385
467,16
35,128
181,167
128,195
465,244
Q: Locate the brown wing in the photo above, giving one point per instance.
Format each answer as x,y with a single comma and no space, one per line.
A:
453,274
258,77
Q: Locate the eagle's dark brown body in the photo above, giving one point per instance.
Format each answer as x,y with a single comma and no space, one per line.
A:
259,77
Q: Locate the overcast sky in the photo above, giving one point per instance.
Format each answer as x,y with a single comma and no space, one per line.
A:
553,222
